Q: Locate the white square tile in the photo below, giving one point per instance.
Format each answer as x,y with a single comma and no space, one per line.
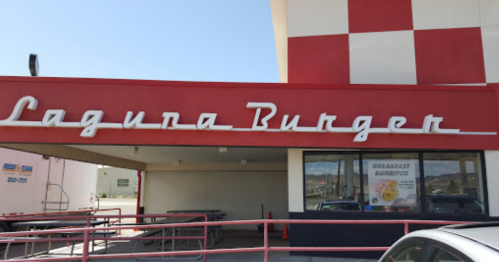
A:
490,39
438,14
317,17
383,58
489,12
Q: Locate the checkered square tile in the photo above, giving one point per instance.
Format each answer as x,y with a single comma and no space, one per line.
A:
443,42
449,56
382,58
317,17
489,12
378,16
438,14
490,36
319,59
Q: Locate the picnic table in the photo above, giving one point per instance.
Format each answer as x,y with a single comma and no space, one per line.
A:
212,214
169,220
34,224
198,211
58,223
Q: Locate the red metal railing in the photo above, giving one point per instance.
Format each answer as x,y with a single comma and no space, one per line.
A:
65,212
87,231
266,249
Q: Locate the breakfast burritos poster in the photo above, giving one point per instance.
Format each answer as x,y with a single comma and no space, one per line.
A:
392,182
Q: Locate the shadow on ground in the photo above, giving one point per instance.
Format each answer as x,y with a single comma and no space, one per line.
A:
231,239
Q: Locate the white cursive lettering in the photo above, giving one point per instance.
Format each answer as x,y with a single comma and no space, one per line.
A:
91,122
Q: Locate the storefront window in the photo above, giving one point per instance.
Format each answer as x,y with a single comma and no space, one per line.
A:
391,182
453,183
332,182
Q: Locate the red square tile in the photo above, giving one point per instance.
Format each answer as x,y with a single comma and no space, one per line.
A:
449,56
319,59
379,15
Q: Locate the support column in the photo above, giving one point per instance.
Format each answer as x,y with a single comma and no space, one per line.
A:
348,169
492,167
295,180
464,177
140,201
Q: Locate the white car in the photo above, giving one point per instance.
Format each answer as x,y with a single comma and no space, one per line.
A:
475,242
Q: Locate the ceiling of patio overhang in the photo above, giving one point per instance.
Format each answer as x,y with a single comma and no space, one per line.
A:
191,154
141,157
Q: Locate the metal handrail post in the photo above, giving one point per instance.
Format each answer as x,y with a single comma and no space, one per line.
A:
205,237
266,240
119,212
86,243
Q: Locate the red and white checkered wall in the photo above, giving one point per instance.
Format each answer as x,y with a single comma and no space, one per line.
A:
393,41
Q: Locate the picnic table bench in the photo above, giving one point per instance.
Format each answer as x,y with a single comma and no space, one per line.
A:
34,224
93,233
6,254
212,214
163,232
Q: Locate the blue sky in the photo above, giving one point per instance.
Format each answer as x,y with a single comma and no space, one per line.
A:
188,40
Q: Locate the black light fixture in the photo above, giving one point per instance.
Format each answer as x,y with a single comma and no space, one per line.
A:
33,64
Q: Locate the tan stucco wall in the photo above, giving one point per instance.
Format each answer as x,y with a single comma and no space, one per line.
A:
238,193
107,180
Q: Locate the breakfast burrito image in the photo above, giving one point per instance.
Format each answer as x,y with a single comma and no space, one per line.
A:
384,191
388,183
389,194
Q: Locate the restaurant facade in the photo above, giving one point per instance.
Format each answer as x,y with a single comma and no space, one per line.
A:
385,111
443,46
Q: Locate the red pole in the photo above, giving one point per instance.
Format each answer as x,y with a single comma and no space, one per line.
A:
406,228
139,174
85,243
266,241
119,220
205,237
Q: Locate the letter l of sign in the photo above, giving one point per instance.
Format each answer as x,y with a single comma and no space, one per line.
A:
13,119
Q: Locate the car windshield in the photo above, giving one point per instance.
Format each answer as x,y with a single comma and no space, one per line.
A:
407,251
450,204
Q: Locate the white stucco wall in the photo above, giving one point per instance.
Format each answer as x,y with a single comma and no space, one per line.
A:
492,168
238,193
107,180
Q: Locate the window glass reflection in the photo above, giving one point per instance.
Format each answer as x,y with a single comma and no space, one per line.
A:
332,182
453,183
391,182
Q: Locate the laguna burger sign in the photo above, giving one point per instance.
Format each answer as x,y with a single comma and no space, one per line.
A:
91,122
